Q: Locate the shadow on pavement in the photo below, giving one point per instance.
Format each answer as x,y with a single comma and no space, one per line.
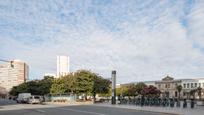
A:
72,110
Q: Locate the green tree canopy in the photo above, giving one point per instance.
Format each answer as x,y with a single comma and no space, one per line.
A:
80,82
35,87
100,86
58,86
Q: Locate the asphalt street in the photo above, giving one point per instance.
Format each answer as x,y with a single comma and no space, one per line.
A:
6,102
11,108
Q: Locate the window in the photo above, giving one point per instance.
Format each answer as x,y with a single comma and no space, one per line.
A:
191,85
195,84
184,85
188,85
176,93
165,85
159,85
168,85
199,84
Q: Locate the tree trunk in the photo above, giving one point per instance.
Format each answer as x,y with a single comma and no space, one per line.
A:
85,97
94,97
179,95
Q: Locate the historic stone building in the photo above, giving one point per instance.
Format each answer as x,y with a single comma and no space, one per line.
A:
168,87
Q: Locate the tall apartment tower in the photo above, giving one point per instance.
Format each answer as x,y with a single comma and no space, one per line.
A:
13,75
62,66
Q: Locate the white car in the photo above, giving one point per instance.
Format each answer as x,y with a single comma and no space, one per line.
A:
35,100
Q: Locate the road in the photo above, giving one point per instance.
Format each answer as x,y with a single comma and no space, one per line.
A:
6,102
27,109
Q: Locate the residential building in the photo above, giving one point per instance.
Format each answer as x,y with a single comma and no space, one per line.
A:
62,66
13,75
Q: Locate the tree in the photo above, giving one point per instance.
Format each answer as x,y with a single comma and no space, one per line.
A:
35,87
139,87
58,87
100,86
22,88
150,91
84,82
87,82
70,83
179,89
81,82
132,90
124,91
192,93
199,90
45,84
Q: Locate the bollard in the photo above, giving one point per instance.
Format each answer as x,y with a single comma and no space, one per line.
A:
192,103
178,103
164,102
184,103
142,101
171,102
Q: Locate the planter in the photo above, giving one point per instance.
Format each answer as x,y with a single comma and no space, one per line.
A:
200,103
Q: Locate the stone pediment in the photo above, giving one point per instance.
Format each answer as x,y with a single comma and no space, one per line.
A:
168,78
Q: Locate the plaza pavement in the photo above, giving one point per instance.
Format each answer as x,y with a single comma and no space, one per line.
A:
68,109
198,110
12,106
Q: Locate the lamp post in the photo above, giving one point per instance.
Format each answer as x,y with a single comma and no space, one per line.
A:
113,100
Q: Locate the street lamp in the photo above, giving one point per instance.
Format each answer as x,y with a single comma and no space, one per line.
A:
11,62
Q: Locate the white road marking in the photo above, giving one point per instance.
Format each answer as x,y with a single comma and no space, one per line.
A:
41,111
75,110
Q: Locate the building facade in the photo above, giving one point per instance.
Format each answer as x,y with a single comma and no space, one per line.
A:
190,85
168,87
13,75
62,66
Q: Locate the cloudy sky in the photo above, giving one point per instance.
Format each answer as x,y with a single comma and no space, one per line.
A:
141,39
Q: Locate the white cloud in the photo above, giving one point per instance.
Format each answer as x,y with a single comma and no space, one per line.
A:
149,43
196,24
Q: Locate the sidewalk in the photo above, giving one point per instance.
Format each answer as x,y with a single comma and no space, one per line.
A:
68,103
198,110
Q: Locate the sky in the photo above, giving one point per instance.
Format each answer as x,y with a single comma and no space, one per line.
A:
142,40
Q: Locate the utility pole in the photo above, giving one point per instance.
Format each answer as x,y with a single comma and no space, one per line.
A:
113,100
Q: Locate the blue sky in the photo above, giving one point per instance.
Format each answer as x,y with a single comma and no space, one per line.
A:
141,39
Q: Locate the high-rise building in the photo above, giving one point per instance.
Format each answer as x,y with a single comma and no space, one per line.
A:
13,75
62,65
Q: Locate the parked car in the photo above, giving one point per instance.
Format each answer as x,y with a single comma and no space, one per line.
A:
35,99
23,97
